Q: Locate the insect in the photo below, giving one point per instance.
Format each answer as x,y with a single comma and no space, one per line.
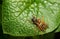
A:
39,23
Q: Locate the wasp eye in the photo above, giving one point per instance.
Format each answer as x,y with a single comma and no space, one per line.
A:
34,19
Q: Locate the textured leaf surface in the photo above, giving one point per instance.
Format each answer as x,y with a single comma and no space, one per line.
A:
58,30
54,1
17,14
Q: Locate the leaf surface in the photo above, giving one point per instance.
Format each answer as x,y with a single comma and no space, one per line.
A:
17,15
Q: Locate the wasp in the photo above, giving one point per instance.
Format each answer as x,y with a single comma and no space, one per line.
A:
39,23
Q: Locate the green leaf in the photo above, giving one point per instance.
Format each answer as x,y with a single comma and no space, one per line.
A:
54,1
58,30
17,15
